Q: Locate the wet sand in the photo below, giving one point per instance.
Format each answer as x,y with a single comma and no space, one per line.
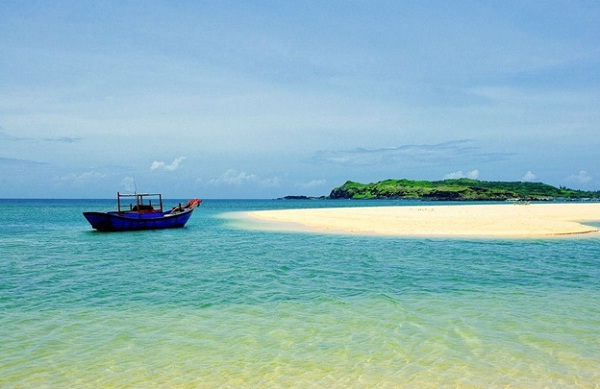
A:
497,220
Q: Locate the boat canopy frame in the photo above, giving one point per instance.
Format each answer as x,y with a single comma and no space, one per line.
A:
140,206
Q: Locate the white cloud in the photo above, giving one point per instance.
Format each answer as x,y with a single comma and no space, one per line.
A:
581,178
163,166
528,177
473,174
454,175
157,165
233,177
129,184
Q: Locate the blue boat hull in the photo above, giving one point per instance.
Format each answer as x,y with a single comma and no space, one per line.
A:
115,221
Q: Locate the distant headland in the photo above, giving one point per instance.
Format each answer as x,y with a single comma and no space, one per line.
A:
462,189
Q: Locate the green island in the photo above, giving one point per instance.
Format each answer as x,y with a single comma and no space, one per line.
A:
462,189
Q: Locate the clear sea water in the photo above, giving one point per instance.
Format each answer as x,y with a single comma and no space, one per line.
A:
219,304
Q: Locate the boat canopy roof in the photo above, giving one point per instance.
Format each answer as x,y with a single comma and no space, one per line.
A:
137,194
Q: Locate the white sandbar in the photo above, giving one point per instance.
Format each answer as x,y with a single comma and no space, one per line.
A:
497,220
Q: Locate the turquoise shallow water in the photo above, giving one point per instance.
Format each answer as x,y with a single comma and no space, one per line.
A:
220,304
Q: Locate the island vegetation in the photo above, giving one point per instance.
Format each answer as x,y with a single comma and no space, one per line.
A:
462,189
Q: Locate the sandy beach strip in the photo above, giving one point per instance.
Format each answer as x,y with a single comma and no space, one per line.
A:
489,220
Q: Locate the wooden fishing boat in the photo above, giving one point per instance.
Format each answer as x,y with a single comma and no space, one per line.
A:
141,214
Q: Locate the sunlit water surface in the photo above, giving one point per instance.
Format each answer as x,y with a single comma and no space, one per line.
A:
221,304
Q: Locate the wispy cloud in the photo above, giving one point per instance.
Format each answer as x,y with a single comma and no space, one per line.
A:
63,139
4,134
20,162
160,165
583,177
406,155
81,179
234,177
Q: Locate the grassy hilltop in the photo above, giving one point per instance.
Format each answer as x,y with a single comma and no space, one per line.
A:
462,189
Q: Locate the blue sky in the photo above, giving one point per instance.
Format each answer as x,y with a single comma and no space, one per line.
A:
261,99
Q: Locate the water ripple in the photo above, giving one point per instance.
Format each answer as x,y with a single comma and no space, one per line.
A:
215,306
